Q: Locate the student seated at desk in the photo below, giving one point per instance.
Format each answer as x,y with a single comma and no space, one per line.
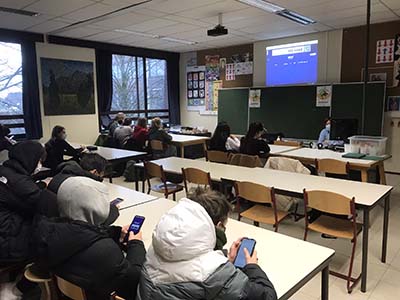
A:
81,248
123,133
182,262
140,134
57,147
157,132
252,143
222,140
324,135
119,119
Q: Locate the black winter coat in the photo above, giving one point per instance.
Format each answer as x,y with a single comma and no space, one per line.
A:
90,257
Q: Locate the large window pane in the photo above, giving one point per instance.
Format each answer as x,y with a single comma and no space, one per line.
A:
125,86
10,79
157,91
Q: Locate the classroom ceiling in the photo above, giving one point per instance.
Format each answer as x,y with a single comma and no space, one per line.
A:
187,20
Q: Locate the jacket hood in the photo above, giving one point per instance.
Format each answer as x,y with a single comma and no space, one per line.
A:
183,245
84,199
73,168
26,154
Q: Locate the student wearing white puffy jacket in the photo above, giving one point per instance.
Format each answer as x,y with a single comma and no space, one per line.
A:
182,263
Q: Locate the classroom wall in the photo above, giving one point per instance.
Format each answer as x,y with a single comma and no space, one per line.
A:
82,129
329,55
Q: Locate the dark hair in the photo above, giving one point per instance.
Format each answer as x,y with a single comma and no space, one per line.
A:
127,122
326,120
142,122
254,128
4,131
93,161
219,137
215,203
55,133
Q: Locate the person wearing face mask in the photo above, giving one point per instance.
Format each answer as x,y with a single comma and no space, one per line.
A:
252,143
324,135
57,147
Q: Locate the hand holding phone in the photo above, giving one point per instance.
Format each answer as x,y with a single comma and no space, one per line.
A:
244,257
116,201
135,226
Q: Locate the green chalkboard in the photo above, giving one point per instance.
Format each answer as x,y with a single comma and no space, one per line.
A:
292,109
233,108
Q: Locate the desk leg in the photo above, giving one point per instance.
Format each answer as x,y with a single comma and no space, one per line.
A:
182,151
385,228
325,283
382,176
364,175
364,263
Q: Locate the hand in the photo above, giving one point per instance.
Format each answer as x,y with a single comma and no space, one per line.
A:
250,259
137,236
233,250
124,231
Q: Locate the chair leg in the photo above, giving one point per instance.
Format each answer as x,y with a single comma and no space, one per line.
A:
257,224
48,291
276,227
305,233
174,197
349,285
110,179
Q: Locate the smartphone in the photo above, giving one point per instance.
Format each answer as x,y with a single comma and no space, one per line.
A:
135,226
249,244
116,201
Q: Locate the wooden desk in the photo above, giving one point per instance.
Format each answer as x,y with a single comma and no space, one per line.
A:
182,141
286,271
308,156
367,195
131,197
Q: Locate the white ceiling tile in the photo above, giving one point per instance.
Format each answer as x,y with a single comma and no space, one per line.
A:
237,15
174,6
19,22
201,23
48,26
393,4
208,11
151,24
81,32
88,12
16,3
122,21
107,36
58,8
173,29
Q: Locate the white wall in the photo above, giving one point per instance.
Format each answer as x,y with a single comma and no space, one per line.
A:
329,68
82,129
329,55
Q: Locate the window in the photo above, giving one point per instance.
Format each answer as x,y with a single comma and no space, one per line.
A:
11,105
139,86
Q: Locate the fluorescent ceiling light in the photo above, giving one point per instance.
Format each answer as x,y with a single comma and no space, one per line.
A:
19,12
264,5
169,39
280,11
153,36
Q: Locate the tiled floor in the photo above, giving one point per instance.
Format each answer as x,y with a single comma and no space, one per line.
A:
383,279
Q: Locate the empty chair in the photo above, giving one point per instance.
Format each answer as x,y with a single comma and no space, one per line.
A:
152,170
260,212
217,156
333,167
244,160
287,143
70,290
196,176
336,206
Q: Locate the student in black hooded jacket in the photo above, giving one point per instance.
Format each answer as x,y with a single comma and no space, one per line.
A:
79,248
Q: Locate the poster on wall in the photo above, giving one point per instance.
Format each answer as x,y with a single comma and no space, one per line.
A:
230,72
212,67
244,68
195,86
396,68
68,87
393,103
324,96
378,77
384,51
254,98
211,99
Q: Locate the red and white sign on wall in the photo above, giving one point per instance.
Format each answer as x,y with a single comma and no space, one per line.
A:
384,51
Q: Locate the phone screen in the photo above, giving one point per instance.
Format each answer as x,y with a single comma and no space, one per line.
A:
117,201
240,260
136,224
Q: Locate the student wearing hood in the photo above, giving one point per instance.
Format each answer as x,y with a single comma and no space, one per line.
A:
81,249
184,261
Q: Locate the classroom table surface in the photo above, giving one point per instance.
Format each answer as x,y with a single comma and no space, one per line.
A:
113,153
179,138
276,149
285,267
130,197
365,193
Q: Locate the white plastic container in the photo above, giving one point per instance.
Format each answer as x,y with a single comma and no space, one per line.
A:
369,145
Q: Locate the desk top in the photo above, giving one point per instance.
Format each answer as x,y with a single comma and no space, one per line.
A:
276,149
131,197
312,154
365,193
179,138
113,153
284,266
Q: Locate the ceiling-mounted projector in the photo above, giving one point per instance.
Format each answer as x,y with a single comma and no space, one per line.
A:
219,29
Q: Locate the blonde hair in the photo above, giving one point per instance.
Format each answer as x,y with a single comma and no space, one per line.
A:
156,123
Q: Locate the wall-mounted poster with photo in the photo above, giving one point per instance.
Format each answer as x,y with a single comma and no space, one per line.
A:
212,67
68,87
195,87
396,68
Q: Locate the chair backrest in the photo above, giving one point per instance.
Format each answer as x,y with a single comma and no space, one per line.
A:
70,290
287,143
244,160
329,202
156,145
332,166
254,192
217,156
154,170
196,176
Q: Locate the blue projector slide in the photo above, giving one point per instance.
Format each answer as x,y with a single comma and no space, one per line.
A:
295,63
